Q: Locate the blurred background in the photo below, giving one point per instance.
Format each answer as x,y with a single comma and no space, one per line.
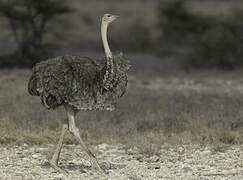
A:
188,34
185,83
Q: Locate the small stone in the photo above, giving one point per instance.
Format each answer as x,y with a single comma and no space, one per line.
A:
25,145
35,156
187,169
206,152
154,166
102,146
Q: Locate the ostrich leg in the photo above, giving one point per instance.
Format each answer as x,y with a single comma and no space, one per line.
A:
75,131
55,157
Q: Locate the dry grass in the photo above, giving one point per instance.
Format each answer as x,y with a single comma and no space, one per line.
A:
181,108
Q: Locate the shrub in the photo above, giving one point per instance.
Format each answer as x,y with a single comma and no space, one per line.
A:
219,46
28,20
178,26
212,42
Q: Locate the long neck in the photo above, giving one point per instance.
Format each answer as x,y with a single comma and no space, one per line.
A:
104,27
109,71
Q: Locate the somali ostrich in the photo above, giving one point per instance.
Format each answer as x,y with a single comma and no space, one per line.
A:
80,83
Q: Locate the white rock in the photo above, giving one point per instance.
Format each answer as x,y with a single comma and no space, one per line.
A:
35,156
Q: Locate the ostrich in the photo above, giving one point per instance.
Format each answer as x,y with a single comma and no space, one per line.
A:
80,83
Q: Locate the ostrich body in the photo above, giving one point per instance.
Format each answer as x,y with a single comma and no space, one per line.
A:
80,83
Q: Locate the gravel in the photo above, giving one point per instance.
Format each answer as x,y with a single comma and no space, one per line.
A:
170,162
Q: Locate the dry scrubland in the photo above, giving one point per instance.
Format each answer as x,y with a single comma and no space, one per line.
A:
175,108
179,108
170,125
81,28
137,26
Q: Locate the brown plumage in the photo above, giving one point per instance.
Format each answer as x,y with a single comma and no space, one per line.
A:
80,83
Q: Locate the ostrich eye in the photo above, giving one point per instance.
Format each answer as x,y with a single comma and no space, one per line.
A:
108,16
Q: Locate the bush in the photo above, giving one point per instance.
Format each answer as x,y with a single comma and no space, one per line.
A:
212,43
28,20
219,46
178,26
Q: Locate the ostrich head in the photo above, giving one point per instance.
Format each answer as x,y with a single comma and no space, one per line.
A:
108,18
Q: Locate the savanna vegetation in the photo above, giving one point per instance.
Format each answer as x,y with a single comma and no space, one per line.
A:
205,108
177,105
200,34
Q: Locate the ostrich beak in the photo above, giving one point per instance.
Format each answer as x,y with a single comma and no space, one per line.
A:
115,17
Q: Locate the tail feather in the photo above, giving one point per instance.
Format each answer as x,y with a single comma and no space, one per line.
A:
32,85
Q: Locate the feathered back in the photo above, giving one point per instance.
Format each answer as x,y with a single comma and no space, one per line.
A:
32,85
76,80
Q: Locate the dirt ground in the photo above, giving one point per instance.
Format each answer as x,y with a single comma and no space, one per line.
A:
172,162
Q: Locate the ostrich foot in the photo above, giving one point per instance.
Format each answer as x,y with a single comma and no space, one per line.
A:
58,169
95,165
